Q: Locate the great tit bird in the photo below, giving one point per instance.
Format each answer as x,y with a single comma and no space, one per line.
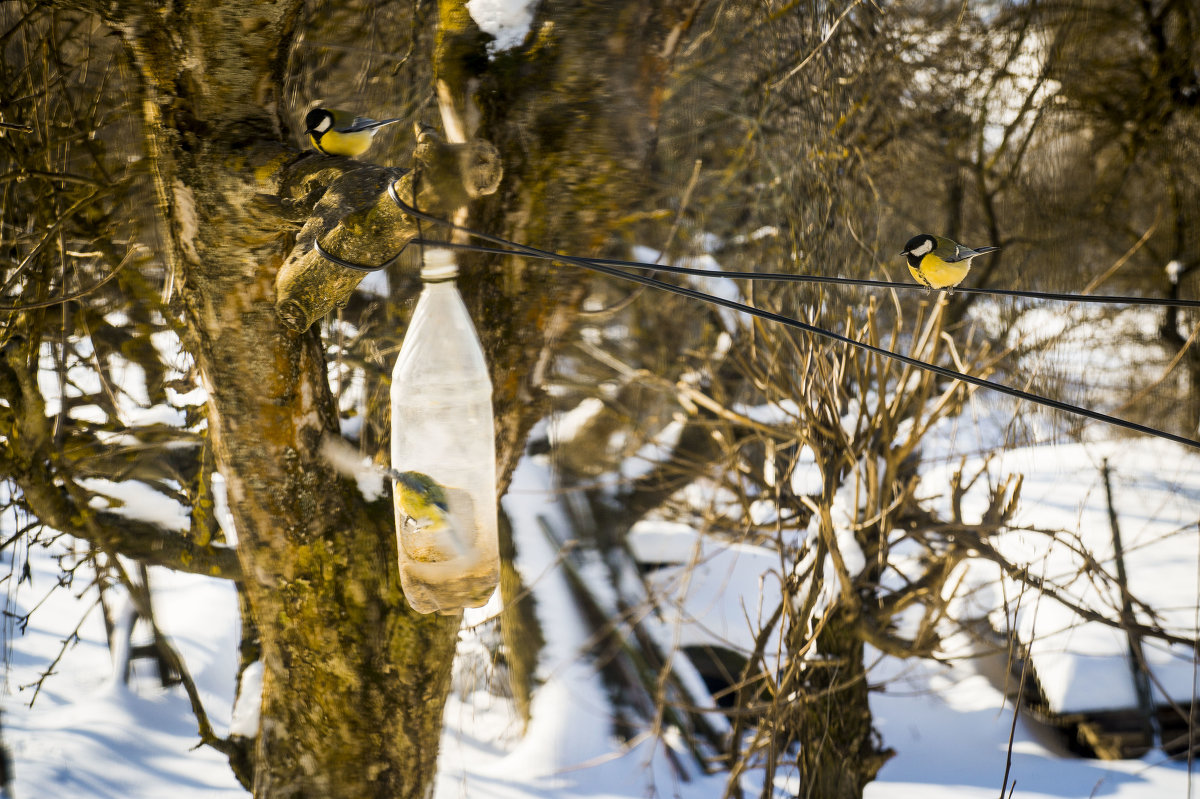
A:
939,263
340,132
429,515
429,531
422,500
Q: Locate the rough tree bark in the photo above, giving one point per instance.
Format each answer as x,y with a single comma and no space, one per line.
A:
355,682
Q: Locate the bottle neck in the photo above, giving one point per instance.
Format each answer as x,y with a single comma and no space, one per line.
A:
438,265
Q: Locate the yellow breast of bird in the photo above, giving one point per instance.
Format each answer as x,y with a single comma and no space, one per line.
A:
334,143
941,274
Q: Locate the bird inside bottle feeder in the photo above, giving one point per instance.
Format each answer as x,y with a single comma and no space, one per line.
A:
443,451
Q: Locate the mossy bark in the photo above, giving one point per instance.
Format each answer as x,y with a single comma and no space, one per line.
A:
355,682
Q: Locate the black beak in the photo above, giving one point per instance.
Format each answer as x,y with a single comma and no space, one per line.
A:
904,252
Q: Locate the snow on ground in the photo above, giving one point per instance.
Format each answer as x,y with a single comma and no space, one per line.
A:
950,728
91,736
1156,495
709,589
88,734
568,749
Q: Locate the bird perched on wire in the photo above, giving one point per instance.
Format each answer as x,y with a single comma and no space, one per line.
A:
939,263
335,132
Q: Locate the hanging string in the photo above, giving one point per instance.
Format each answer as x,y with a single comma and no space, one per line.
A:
420,240
601,266
328,256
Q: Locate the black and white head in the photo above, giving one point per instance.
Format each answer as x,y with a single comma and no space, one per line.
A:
318,120
919,246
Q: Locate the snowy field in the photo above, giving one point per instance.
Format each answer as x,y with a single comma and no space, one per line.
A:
91,736
85,733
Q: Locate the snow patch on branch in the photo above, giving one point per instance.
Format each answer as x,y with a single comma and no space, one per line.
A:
507,20
134,499
249,702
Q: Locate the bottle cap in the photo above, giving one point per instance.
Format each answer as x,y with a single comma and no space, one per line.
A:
439,264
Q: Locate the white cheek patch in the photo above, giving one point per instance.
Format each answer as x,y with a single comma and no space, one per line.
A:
323,125
923,249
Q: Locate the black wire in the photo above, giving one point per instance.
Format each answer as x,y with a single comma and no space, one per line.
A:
523,249
420,234
328,256
784,277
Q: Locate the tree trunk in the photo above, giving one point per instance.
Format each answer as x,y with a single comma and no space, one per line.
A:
839,751
355,682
